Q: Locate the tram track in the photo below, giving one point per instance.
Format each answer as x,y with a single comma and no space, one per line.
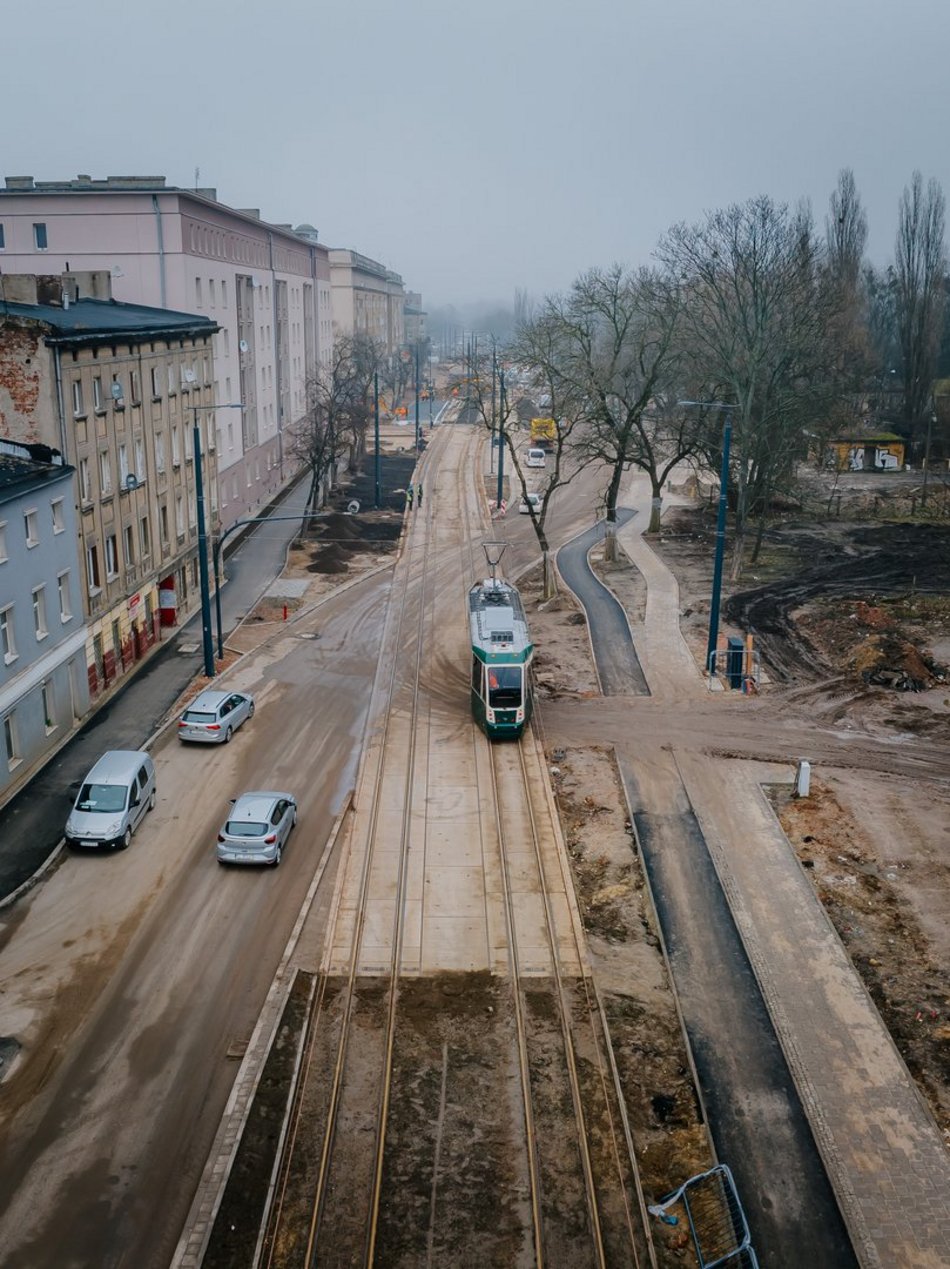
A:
357,1003
437,1110
588,1207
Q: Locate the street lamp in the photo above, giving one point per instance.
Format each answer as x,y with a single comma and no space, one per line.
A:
713,638
207,643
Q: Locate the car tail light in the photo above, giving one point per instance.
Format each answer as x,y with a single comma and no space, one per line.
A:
270,839
182,724
213,726
221,837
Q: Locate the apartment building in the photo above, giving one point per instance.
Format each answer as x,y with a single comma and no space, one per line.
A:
43,692
367,299
266,287
117,388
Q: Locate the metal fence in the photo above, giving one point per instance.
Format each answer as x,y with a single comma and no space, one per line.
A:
710,1205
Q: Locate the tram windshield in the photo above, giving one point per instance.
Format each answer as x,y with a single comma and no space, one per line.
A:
504,686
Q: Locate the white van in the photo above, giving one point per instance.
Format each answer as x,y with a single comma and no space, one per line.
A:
112,800
535,458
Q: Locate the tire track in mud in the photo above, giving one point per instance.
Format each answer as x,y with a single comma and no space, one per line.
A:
887,560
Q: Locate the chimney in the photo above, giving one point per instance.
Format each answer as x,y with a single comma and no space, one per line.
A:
19,182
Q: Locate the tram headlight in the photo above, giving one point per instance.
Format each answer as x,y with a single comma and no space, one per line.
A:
519,716
489,715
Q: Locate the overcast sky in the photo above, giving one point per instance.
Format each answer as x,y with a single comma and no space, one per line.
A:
481,146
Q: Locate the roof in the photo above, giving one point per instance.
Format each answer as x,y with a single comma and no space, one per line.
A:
20,475
87,321
498,626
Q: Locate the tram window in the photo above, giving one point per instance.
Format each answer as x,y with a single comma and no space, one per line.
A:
476,675
504,686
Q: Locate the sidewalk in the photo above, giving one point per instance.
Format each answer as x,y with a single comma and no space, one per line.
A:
31,824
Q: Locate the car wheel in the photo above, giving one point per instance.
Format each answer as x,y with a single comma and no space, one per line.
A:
126,838
250,710
277,853
151,800
227,736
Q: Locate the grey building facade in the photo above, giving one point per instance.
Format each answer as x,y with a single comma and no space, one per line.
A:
44,693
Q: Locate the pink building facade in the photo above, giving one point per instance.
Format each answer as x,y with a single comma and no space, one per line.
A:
266,286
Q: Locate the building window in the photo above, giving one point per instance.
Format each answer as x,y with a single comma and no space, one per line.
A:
163,523
135,387
40,240
224,294
7,638
105,472
179,516
129,546
10,741
78,407
227,342
3,542
139,459
192,514
143,537
172,382
49,707
176,448
123,463
112,558
65,607
92,570
97,393
198,292
156,390
32,532
39,612
59,521
211,292
159,451
2,240
85,485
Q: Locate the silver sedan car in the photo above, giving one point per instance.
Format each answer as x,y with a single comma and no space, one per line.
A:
213,717
257,828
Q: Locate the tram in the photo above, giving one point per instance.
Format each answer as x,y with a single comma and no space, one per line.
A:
501,659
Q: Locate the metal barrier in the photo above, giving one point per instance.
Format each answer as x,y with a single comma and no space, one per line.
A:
710,1204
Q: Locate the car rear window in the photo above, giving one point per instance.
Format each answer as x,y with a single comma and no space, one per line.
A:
197,716
244,828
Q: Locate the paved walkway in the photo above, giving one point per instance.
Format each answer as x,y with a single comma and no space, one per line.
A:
615,654
881,1148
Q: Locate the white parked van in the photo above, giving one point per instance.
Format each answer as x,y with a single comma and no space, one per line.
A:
112,800
535,458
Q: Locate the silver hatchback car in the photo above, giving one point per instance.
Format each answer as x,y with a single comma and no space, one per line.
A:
213,717
257,828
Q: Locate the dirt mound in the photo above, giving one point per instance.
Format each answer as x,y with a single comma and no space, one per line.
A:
331,559
887,660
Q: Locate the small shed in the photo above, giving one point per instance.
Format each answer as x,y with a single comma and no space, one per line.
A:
874,451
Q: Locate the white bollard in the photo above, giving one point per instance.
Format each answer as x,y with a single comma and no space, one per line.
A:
803,778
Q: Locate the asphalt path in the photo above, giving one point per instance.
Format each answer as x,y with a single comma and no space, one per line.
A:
618,665
756,1118
31,823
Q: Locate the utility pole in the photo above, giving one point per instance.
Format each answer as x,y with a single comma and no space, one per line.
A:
501,436
494,379
207,643
376,428
417,396
713,640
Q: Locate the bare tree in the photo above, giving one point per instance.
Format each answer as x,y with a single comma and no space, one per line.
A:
846,233
919,270
609,343
759,321
338,413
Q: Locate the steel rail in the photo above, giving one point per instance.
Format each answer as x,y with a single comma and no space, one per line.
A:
534,1166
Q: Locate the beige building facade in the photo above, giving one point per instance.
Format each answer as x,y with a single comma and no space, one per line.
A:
367,299
266,288
117,389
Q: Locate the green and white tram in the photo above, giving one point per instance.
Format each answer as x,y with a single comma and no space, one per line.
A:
501,659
